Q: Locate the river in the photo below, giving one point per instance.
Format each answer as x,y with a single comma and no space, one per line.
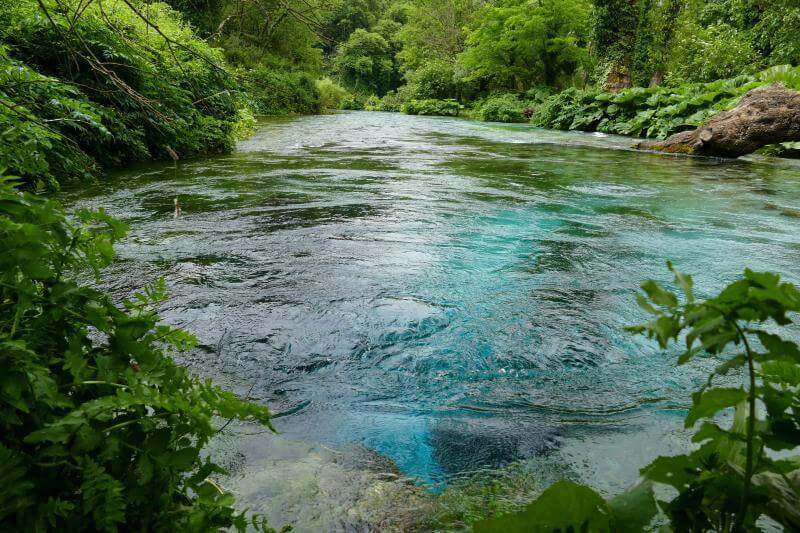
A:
449,294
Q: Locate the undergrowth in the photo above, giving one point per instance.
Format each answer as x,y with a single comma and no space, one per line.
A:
655,111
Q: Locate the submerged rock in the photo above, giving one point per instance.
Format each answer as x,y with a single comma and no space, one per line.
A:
315,488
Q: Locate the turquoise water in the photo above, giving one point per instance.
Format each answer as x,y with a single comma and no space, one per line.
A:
447,293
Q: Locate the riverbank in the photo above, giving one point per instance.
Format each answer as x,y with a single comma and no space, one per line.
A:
645,113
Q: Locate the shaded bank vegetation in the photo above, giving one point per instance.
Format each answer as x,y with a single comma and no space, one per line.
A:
91,85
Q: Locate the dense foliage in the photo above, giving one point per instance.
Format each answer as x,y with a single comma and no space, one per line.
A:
659,57
505,108
653,111
516,44
94,85
444,108
99,428
100,86
735,475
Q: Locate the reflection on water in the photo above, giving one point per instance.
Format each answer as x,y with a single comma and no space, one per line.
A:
449,294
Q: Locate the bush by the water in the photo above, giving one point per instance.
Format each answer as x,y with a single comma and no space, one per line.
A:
393,100
99,428
436,80
444,108
100,87
505,108
331,94
655,111
352,102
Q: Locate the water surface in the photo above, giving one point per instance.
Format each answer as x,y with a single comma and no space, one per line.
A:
447,293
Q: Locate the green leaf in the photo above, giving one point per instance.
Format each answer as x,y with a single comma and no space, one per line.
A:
684,281
708,403
677,471
634,509
562,506
736,361
711,431
778,347
658,295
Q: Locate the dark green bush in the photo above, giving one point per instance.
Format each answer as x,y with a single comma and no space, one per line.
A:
393,100
504,108
39,117
276,92
372,103
435,80
444,108
99,428
331,94
561,111
352,102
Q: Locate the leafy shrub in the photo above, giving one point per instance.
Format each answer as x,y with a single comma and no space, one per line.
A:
735,476
562,111
99,428
276,92
503,108
434,80
444,108
331,94
33,144
372,103
364,62
352,102
785,74
393,100
708,54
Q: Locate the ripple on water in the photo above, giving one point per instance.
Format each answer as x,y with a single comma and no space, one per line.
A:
447,293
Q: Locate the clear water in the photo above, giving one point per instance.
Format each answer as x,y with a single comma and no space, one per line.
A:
447,293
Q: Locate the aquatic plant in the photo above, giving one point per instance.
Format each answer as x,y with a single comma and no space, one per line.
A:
735,475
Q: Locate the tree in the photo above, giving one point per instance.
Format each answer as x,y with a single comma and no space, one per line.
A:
435,30
516,44
615,28
364,62
347,17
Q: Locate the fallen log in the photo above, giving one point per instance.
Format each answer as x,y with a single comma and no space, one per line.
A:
766,115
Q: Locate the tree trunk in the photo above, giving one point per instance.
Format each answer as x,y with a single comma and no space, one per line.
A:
766,115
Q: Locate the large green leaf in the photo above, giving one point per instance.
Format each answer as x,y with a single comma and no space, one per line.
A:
677,471
562,506
710,402
633,510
